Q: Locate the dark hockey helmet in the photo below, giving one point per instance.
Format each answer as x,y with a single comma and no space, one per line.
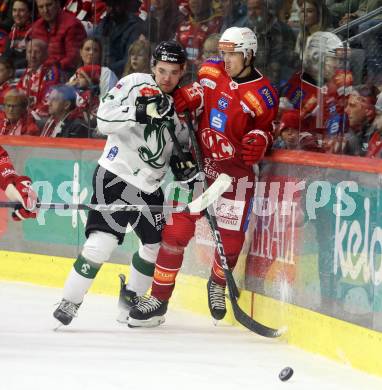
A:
169,51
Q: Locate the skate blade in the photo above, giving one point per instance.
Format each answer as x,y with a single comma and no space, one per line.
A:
57,325
151,323
123,316
215,322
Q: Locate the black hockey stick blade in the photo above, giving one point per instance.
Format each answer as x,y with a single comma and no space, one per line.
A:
243,318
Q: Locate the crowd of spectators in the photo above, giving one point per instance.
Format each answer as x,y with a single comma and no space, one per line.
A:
59,57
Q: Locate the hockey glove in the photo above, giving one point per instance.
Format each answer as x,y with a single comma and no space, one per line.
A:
20,190
254,145
153,109
189,97
183,170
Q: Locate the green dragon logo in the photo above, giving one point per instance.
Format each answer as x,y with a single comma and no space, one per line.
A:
145,153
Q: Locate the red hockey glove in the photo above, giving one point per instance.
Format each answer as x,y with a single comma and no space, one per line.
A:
189,97
254,145
20,190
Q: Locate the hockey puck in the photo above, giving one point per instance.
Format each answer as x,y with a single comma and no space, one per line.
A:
285,374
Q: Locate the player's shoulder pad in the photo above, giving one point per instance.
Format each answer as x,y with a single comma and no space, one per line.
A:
260,98
211,70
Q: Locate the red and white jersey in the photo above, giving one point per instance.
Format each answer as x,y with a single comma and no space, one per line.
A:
7,171
304,95
231,110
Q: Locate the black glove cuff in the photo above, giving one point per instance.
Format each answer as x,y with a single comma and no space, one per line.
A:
140,113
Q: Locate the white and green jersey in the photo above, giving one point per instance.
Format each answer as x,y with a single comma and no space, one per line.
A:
139,154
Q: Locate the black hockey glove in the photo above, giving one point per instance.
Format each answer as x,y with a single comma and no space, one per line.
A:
153,109
184,170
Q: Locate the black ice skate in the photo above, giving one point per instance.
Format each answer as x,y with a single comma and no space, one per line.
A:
148,313
127,300
66,311
216,299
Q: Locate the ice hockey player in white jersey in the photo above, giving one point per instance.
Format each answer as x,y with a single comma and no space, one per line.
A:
135,116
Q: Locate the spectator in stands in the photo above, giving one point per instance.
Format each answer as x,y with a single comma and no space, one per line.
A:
371,40
63,32
117,31
165,17
361,112
7,73
192,33
62,122
314,16
230,13
340,8
275,40
38,78
86,10
288,131
91,54
14,120
363,7
139,58
374,148
86,83
210,47
22,22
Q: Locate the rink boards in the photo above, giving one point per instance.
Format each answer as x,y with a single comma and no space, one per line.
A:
288,277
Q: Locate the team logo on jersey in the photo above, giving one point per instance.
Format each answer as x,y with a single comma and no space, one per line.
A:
267,96
218,120
223,103
233,85
112,153
208,83
218,144
148,91
253,102
154,134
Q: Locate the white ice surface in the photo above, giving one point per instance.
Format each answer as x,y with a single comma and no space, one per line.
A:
187,352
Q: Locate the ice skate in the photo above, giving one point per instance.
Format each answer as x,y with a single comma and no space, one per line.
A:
127,299
216,300
65,312
148,313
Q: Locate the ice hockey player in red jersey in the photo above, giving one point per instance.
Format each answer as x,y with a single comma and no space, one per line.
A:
325,77
17,189
234,133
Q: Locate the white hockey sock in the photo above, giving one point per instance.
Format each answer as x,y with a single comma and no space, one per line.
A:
76,286
141,275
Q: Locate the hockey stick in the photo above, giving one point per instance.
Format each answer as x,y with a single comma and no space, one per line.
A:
242,317
199,204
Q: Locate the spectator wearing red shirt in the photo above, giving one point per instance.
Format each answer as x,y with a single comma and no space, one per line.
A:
14,120
7,73
193,32
39,77
22,22
63,32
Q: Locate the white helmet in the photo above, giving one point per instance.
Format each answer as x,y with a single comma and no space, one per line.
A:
238,39
321,44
